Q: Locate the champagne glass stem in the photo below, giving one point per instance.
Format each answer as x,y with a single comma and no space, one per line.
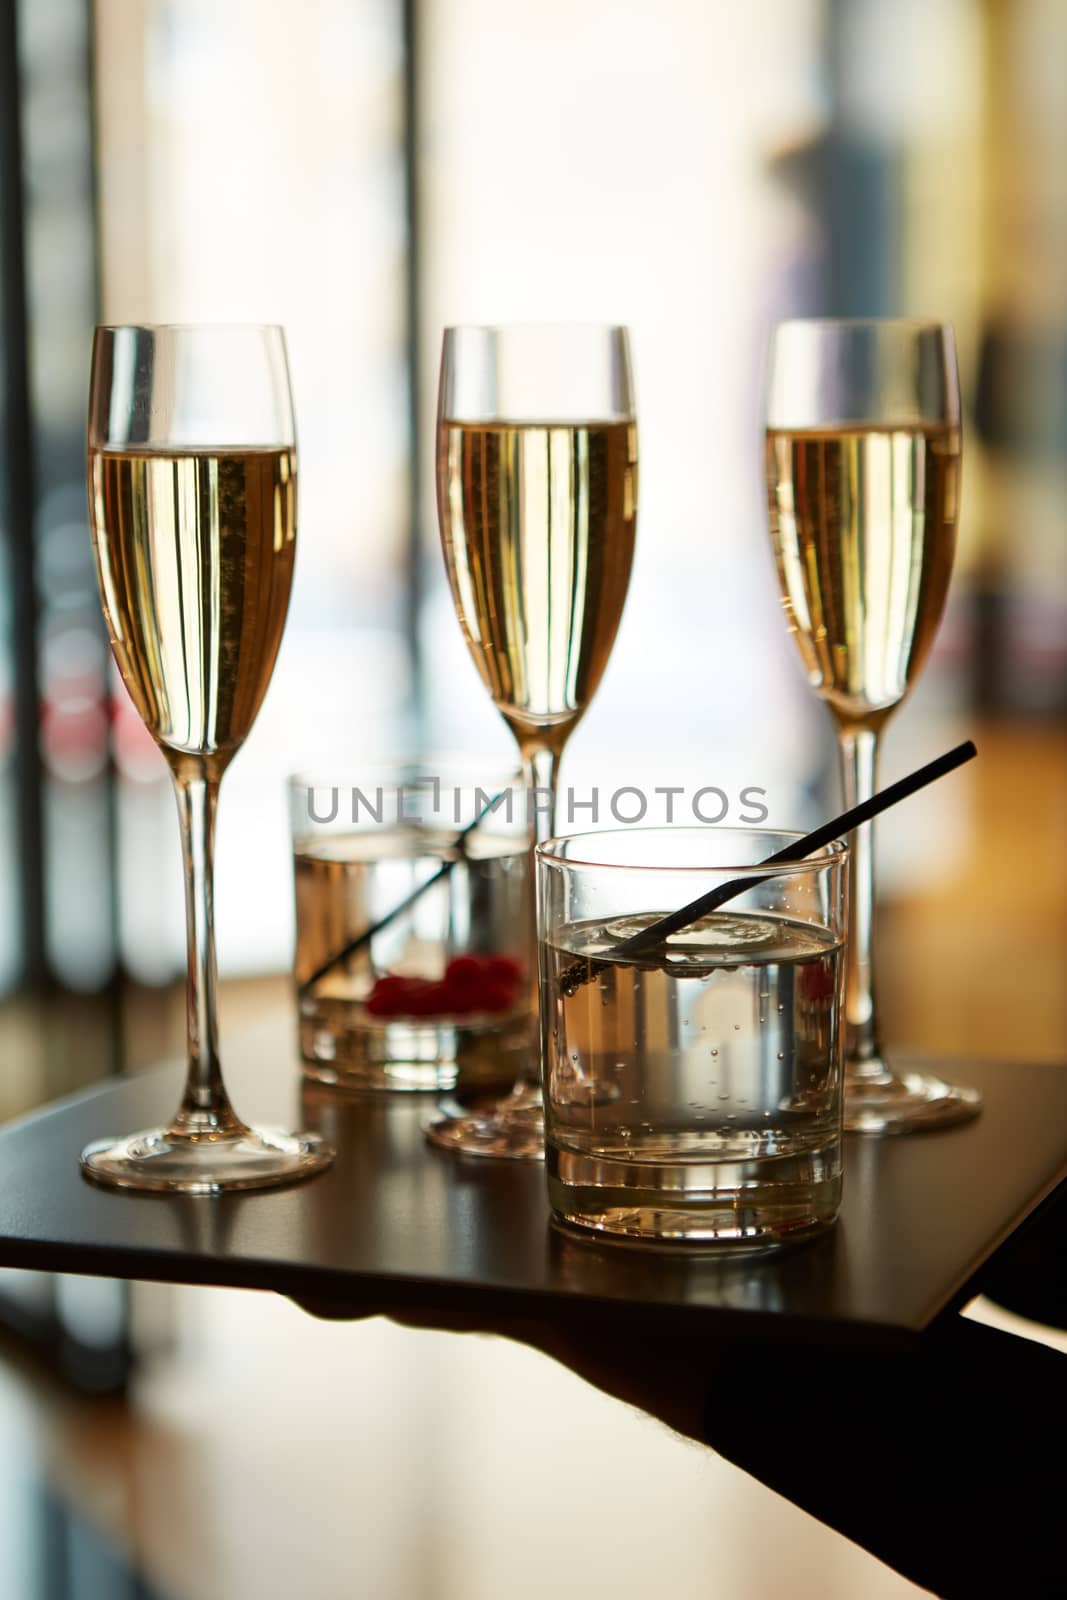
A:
863,1051
205,1107
540,769
515,1126
540,766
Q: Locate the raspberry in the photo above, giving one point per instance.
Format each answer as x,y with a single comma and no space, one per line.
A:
463,974
425,998
388,998
496,996
472,983
458,1000
396,996
504,969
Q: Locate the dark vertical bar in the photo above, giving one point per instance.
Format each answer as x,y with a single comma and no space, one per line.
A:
47,174
115,987
55,59
857,188
17,443
416,481
117,1361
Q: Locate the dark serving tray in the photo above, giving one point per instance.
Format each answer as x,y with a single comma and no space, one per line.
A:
398,1225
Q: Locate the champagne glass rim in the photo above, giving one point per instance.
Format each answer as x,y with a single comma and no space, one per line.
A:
190,327
904,324
826,855
578,325
536,374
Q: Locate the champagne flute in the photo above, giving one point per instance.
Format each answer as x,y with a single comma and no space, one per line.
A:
863,466
192,502
537,500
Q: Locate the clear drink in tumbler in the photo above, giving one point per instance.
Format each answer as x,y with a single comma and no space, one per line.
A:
693,1090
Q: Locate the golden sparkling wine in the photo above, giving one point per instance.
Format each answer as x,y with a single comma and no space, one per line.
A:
863,522
195,555
538,522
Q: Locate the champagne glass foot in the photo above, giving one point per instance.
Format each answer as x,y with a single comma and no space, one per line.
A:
516,1131
162,1161
905,1102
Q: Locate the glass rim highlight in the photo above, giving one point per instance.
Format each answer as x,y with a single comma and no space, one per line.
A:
534,326
189,327
536,374
905,324
831,373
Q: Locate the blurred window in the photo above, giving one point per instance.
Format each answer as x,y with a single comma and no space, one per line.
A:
252,168
694,170
628,176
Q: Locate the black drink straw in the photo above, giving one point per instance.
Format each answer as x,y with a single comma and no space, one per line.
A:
648,938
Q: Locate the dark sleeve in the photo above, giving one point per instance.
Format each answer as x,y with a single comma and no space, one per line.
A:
1028,1275
946,1462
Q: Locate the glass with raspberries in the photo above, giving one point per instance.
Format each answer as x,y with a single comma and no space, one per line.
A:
413,928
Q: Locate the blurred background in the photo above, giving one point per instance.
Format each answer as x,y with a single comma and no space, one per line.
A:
366,171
